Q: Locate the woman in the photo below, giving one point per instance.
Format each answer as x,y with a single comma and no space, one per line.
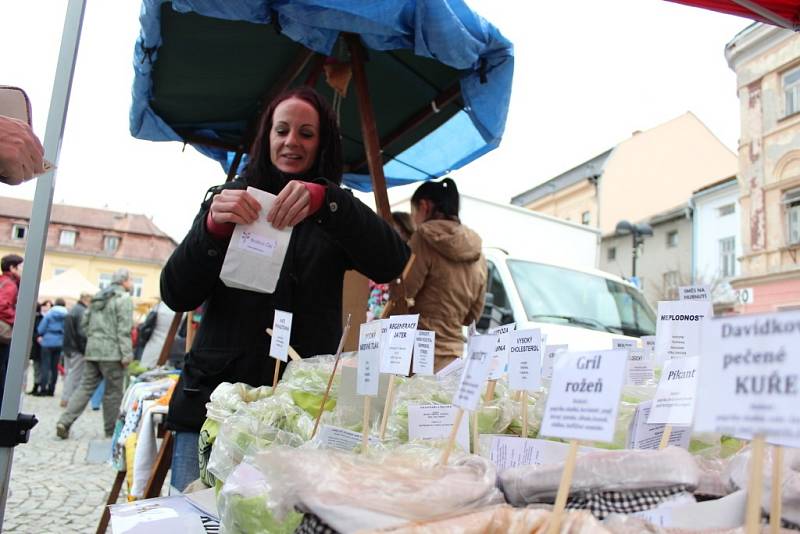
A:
447,280
379,293
296,155
36,349
51,339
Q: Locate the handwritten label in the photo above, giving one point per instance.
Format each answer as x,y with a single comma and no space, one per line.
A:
644,435
476,370
675,397
694,293
334,437
584,395
525,360
281,333
499,363
749,377
639,371
398,342
548,359
434,422
678,328
369,354
424,344
259,244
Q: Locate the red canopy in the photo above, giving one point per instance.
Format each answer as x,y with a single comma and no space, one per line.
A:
784,13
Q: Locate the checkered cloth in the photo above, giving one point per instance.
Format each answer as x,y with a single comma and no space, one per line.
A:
603,503
312,524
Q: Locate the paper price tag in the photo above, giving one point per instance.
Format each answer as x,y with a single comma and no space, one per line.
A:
639,371
675,397
694,293
649,344
499,363
549,357
369,353
435,421
476,369
398,342
281,333
424,344
334,437
749,377
678,328
525,360
644,435
584,395
623,343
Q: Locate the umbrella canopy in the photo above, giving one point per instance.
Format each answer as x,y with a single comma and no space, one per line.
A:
68,285
439,77
784,13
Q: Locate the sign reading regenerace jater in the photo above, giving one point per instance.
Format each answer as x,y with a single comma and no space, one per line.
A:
397,343
678,328
749,377
584,395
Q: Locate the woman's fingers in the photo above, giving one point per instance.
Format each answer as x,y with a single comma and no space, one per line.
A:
234,206
291,206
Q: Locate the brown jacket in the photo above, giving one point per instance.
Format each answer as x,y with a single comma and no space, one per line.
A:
446,283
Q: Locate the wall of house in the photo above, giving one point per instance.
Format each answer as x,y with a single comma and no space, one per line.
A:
570,203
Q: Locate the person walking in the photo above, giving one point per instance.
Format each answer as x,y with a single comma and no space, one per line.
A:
11,266
107,323
51,338
74,347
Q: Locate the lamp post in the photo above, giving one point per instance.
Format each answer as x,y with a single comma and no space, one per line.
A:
638,233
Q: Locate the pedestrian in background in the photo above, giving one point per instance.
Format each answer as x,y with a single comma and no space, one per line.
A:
107,323
36,350
74,347
11,266
51,338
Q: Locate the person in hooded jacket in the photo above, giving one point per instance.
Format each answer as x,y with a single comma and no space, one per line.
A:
297,156
447,279
51,339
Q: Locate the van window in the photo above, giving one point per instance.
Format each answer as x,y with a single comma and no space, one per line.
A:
494,286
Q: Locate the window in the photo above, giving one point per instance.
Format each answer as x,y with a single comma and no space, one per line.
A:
138,285
586,218
67,238
791,202
104,281
791,92
110,243
611,255
727,257
727,209
18,232
58,270
672,239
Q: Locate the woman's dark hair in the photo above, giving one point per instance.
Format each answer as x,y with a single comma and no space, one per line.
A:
328,163
443,195
60,302
9,261
40,304
403,222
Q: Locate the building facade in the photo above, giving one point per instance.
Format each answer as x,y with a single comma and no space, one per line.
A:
766,60
94,242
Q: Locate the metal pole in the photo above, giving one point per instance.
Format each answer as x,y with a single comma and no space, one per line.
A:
37,233
635,244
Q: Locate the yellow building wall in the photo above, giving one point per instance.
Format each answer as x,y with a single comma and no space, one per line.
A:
570,203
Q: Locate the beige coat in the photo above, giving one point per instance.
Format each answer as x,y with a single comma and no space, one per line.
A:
446,283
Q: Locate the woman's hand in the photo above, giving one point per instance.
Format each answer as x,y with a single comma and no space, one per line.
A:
292,205
234,206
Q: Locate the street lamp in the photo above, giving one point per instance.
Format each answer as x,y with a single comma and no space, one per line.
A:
638,231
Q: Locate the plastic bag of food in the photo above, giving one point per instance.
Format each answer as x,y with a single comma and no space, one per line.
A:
306,380
227,398
535,398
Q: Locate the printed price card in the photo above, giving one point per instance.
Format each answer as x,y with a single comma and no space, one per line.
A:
281,333
675,397
525,360
435,421
369,354
644,435
623,343
694,293
584,395
424,344
549,357
499,363
334,437
398,342
678,328
649,344
476,369
749,377
510,451
640,368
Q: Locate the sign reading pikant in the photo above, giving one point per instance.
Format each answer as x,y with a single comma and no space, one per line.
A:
749,377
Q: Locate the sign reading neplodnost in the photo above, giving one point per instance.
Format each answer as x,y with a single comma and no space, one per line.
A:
584,395
749,377
678,328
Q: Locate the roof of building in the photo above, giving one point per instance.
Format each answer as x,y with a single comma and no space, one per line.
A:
115,221
719,184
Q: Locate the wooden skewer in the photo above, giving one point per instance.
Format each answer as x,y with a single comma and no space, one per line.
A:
776,505
387,405
490,387
333,373
755,486
665,437
475,433
365,423
563,488
451,441
292,353
524,402
277,373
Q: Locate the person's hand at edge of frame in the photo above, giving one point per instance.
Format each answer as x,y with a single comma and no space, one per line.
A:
21,152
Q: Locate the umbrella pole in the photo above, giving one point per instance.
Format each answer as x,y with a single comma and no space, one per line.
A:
369,131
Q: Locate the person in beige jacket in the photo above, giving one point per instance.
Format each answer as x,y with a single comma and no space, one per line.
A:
446,282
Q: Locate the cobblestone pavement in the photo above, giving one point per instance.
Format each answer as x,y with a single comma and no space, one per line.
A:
53,488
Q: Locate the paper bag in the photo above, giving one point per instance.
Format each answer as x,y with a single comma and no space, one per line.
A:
255,254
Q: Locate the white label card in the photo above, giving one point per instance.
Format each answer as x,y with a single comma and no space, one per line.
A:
525,360
476,369
623,343
678,328
424,345
640,368
549,357
749,377
649,344
694,293
675,397
499,363
435,421
369,354
398,342
510,451
456,366
334,437
584,395
281,334
644,435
